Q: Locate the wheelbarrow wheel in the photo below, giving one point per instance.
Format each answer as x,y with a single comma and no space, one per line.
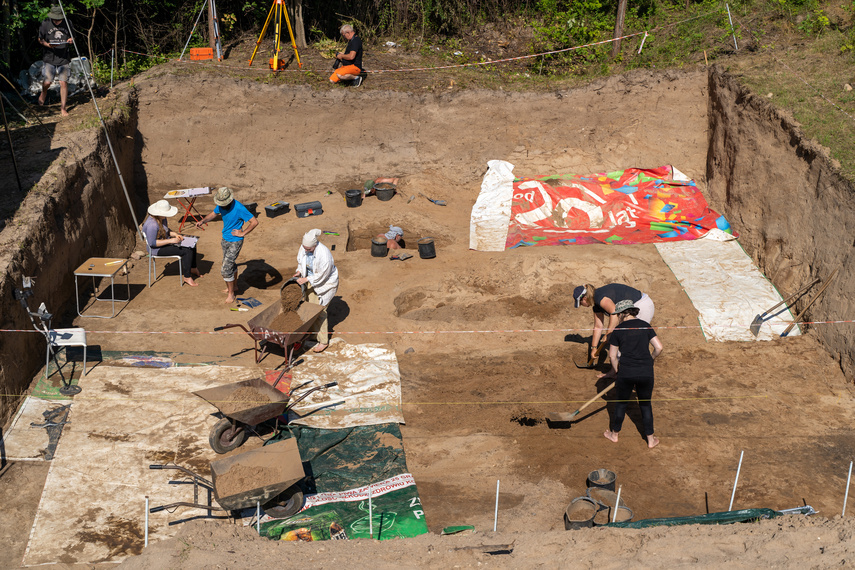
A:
225,437
286,503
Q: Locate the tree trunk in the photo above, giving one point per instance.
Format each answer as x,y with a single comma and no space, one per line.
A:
295,11
89,36
621,12
7,35
211,38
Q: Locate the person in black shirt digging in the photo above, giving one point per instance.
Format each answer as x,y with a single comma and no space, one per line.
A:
632,362
55,37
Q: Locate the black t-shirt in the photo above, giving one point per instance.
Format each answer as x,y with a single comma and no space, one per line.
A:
355,44
616,292
57,36
632,337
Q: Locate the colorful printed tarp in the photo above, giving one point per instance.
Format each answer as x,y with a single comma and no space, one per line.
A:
629,206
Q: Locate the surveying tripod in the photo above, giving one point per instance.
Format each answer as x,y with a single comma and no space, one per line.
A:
279,10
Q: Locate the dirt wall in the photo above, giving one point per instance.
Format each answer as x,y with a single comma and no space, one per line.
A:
76,211
785,196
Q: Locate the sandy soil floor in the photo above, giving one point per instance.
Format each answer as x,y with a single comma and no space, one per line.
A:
494,337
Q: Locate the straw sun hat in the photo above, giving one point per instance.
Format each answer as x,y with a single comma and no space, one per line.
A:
162,209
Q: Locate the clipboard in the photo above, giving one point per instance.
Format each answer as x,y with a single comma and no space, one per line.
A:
189,241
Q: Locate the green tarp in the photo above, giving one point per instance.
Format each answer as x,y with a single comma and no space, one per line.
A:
726,517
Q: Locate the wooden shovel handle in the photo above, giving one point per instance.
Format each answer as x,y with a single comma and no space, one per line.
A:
600,347
594,399
800,315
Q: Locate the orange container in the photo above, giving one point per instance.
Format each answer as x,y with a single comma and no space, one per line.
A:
199,54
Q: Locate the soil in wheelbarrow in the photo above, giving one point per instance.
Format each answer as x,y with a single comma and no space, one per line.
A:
243,398
286,322
242,478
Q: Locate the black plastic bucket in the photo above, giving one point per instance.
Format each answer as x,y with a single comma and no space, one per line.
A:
384,191
602,478
580,513
353,197
426,249
378,247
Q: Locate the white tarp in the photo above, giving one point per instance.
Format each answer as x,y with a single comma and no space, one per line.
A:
369,387
25,442
92,506
726,288
491,214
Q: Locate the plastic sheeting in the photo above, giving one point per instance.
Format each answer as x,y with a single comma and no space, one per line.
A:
727,517
726,288
368,391
24,441
491,214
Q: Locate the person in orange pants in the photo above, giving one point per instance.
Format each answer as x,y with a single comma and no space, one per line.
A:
350,59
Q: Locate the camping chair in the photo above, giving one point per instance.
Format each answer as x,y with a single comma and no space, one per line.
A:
153,267
58,338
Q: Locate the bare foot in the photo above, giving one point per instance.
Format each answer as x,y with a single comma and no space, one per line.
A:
42,98
230,299
64,112
652,441
611,435
189,281
320,347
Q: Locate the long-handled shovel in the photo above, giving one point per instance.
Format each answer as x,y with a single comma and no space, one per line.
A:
800,315
568,417
593,359
760,319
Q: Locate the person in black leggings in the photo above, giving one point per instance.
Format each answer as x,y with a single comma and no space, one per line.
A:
632,362
163,241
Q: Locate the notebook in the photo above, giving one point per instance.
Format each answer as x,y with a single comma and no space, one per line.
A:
189,241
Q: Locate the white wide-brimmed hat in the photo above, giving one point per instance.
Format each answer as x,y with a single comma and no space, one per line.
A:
162,209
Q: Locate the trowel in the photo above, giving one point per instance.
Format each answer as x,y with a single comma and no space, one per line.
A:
437,202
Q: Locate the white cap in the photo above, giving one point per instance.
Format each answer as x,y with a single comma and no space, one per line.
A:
310,238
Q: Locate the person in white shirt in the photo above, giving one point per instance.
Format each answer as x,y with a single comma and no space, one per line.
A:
316,269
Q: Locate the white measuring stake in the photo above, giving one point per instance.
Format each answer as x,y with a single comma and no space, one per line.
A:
258,517
735,481
729,19
370,515
496,514
846,496
617,503
146,517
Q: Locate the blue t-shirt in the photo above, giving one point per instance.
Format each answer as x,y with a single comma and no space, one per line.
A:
235,215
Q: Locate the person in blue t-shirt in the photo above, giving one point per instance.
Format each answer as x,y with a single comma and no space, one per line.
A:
234,215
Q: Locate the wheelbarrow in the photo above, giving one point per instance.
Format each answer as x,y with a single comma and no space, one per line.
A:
240,414
266,475
258,328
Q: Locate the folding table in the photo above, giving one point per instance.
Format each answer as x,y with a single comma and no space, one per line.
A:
186,197
102,267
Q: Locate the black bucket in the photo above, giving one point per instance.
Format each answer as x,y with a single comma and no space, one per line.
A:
378,247
384,191
602,478
426,249
353,197
580,513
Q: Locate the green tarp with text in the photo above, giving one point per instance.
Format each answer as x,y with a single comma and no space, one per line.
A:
342,465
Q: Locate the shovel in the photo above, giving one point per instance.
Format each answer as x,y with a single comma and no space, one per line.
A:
437,202
760,319
800,315
565,417
593,359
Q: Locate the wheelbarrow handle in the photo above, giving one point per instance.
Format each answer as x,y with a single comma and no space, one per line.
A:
330,385
231,326
157,509
156,466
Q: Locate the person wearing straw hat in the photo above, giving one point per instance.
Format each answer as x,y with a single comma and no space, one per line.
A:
163,241
603,300
316,269
55,37
632,364
234,215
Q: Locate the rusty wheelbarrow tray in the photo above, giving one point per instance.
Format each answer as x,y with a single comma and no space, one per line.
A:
231,432
266,475
258,328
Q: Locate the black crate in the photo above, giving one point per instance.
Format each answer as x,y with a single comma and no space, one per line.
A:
276,209
309,209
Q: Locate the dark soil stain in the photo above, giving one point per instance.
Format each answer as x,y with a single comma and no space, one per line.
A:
112,387
110,436
122,536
